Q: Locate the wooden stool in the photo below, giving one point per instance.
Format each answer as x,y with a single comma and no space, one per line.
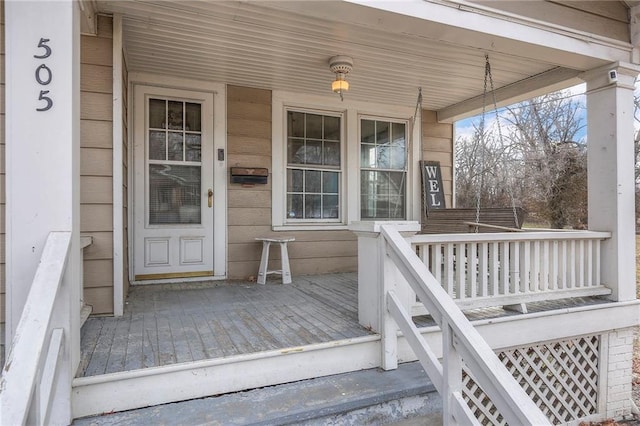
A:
284,255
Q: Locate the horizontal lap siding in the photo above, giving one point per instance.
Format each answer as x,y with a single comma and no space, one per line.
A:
249,208
96,166
605,18
437,145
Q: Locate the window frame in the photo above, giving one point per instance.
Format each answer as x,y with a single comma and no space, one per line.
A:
316,167
406,170
350,149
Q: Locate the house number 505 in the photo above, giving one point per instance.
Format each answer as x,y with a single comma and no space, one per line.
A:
44,75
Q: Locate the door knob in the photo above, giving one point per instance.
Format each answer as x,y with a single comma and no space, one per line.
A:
210,197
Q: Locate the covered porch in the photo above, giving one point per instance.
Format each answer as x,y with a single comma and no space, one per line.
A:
254,71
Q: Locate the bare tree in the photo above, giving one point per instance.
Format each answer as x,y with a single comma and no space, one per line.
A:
540,162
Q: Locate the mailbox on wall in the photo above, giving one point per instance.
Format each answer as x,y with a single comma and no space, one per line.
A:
249,175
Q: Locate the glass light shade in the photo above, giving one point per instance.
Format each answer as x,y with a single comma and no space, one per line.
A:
340,86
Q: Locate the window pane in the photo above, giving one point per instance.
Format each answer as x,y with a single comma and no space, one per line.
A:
312,181
157,146
193,117
382,132
294,206
294,181
398,160
396,183
313,152
175,115
312,206
174,194
295,124
157,113
367,156
396,207
332,153
175,146
332,128
383,155
330,206
330,182
192,147
295,150
368,131
314,126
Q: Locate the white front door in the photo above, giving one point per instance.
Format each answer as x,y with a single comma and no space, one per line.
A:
173,184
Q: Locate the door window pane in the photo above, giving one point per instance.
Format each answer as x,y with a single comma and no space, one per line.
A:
174,194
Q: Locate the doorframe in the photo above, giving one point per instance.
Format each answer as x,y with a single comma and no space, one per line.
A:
220,231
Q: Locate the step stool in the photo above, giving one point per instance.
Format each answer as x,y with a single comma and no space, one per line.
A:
284,255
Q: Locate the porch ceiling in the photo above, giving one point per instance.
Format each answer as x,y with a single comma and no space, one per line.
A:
283,46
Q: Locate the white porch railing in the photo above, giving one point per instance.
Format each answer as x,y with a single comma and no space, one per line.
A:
37,371
480,270
461,342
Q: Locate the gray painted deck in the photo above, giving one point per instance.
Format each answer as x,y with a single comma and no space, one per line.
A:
167,324
176,323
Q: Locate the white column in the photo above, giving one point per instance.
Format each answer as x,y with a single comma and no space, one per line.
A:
611,172
371,272
42,149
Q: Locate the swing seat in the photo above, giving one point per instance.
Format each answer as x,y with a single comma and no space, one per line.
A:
456,221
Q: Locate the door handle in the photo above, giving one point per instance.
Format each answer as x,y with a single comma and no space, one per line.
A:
210,197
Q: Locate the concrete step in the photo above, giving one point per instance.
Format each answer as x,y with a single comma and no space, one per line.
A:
402,397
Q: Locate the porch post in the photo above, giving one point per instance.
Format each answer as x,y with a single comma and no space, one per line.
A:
371,272
610,120
42,152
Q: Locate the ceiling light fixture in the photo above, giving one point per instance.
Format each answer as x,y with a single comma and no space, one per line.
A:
341,65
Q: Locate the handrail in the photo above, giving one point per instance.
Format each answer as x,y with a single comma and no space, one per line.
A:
460,340
24,363
509,236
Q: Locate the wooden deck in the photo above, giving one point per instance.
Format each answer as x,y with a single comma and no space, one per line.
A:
167,324
177,323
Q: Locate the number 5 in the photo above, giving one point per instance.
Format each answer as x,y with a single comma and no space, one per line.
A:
47,99
47,49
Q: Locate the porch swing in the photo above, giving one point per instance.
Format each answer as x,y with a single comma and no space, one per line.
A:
480,219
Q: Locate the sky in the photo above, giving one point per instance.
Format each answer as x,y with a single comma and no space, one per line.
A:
464,128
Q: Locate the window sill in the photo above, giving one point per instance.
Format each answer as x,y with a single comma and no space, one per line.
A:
314,227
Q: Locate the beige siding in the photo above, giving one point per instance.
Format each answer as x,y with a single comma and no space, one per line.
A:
605,18
96,165
437,145
249,208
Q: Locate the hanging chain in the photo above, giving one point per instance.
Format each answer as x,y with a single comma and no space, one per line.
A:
500,138
487,75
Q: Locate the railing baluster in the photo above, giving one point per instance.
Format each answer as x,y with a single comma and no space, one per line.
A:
483,268
563,266
460,270
596,264
505,264
472,269
534,283
571,264
545,259
514,267
450,260
494,267
580,264
525,266
589,262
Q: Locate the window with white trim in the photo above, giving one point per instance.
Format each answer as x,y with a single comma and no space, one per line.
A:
383,169
314,167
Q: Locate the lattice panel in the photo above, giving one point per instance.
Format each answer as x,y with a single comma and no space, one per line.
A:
560,377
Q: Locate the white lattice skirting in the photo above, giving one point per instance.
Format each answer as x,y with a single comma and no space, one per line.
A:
560,377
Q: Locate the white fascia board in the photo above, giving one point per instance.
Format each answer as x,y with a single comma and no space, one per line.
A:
473,25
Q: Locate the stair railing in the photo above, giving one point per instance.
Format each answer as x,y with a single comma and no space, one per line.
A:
461,342
35,387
